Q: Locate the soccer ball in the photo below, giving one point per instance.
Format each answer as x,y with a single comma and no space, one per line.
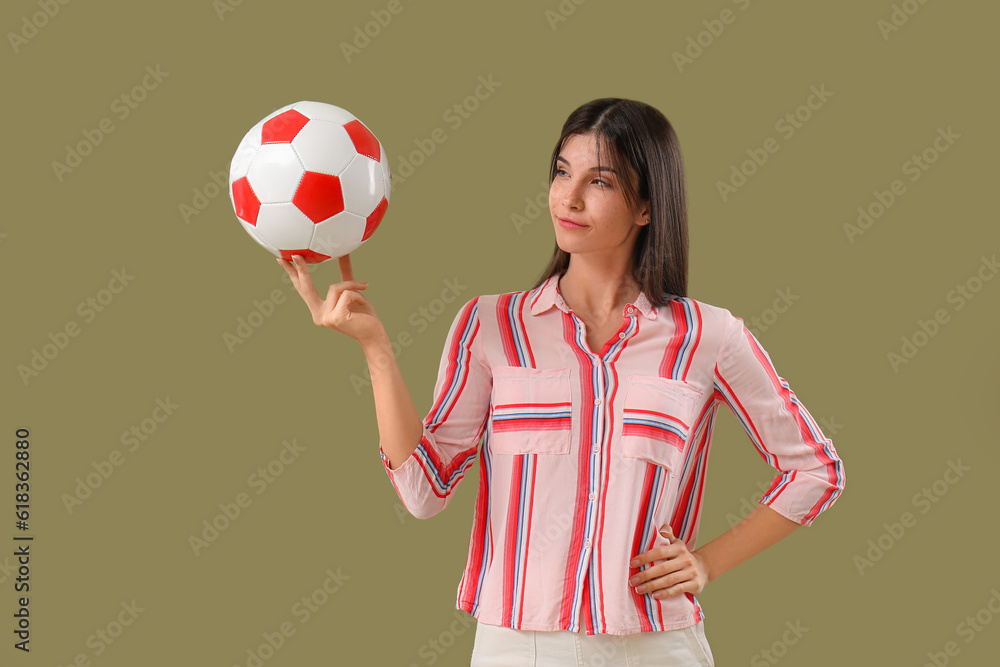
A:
310,179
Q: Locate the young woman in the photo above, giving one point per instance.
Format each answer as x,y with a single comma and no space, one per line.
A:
596,392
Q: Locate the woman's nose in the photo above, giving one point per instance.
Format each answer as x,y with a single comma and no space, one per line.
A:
571,197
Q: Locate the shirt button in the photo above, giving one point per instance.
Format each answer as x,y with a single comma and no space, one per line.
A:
597,401
621,335
592,496
629,310
586,543
597,448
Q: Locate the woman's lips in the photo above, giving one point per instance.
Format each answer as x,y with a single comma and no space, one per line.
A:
569,224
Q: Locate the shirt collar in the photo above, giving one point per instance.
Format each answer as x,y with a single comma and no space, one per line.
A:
548,295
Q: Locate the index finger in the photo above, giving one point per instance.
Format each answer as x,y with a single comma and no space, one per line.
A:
304,285
289,269
644,557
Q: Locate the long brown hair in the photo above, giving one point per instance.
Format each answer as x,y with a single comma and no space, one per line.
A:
640,136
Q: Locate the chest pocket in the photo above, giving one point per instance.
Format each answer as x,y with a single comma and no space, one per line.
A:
657,415
532,410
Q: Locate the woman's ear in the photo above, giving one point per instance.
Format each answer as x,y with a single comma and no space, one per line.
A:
644,212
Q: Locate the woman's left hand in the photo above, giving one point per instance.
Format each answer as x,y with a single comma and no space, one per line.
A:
676,570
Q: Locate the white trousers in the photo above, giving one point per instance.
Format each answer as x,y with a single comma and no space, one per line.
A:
499,646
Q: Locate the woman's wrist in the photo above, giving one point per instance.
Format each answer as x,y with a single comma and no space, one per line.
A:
760,529
378,351
376,343
706,564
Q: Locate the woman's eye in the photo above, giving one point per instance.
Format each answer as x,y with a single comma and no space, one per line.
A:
604,184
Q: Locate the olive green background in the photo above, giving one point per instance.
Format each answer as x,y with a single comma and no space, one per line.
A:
451,220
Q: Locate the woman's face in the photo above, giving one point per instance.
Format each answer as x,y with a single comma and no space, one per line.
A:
594,200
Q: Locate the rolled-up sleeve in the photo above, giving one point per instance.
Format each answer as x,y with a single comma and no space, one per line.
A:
454,425
811,474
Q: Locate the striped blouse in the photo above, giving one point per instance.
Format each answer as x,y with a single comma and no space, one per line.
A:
585,456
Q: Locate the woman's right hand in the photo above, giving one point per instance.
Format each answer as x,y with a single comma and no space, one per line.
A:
344,310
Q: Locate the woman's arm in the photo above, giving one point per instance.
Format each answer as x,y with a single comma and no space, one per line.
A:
756,532
399,425
427,459
348,311
676,569
788,439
